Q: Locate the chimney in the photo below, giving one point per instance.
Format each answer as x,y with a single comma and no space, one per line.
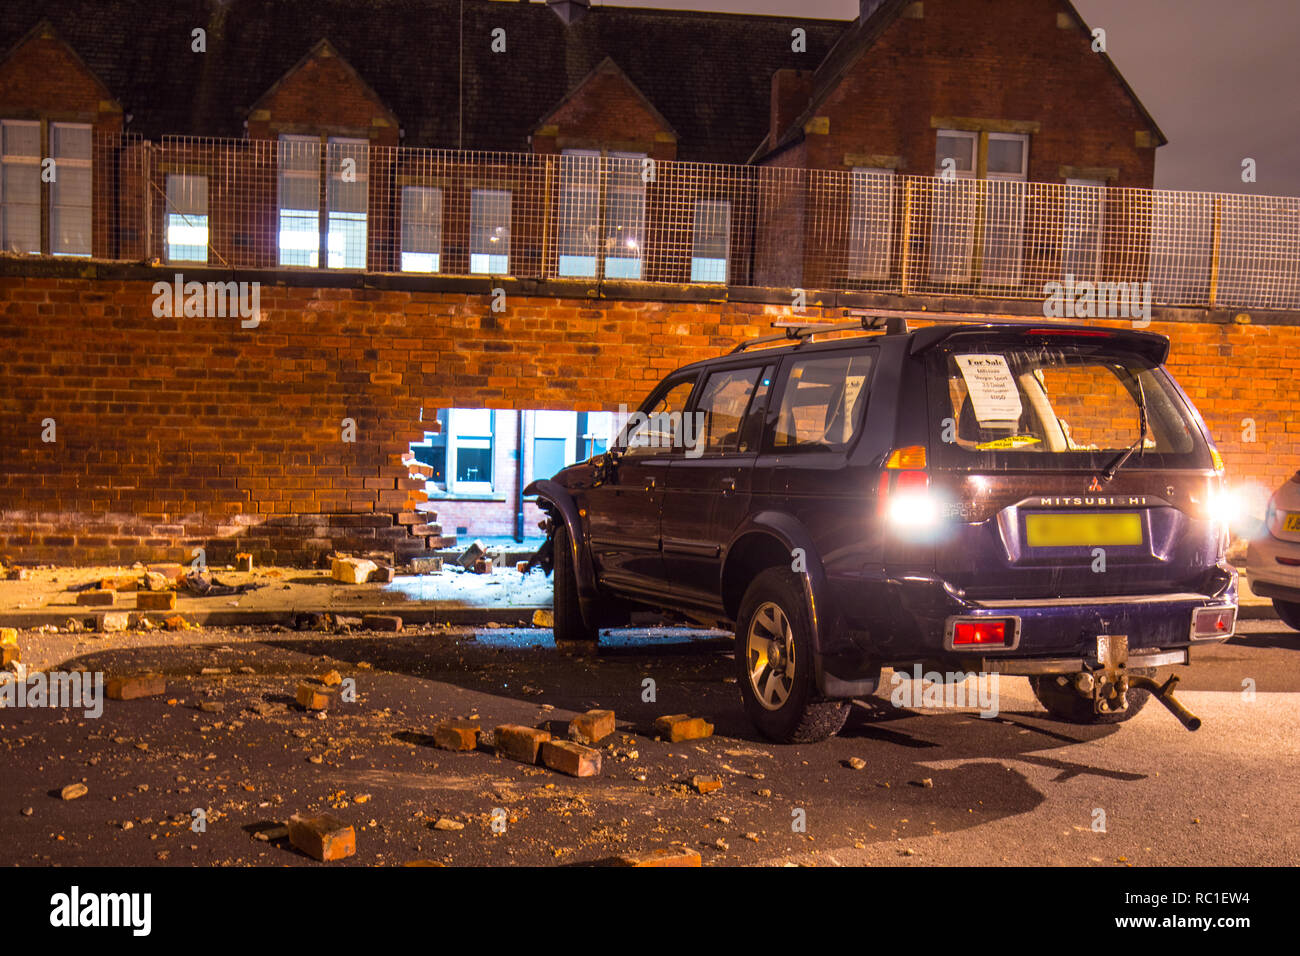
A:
570,11
791,91
867,7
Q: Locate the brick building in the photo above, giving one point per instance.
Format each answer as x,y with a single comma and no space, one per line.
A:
449,208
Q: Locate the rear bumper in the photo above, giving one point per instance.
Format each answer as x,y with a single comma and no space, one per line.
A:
903,620
1267,575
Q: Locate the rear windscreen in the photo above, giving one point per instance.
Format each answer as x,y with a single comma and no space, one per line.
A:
1053,407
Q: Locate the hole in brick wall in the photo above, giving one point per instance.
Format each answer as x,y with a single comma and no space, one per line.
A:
477,461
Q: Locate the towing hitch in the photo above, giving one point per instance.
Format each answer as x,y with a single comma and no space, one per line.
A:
1109,684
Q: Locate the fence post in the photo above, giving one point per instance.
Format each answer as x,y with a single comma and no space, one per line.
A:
546,217
1216,236
147,186
906,260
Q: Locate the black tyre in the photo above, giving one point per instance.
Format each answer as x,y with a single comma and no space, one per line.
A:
1289,612
1065,703
569,623
774,654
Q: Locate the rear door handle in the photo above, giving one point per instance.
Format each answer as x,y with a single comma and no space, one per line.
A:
728,485
649,484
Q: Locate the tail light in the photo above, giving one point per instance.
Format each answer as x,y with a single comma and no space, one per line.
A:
982,632
903,495
1209,622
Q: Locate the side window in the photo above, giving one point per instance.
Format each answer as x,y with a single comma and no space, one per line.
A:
722,406
822,404
662,427
751,433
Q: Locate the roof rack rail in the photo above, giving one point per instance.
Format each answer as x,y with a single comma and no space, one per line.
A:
801,332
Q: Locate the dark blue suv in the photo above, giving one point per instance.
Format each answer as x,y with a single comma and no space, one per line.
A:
1035,499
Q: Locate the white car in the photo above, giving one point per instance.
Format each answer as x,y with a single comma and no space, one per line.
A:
1273,561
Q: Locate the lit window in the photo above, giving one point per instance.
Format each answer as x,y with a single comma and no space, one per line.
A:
489,231
70,189
712,241
1085,202
469,451
349,166
579,212
421,229
187,218
20,187
299,240
624,216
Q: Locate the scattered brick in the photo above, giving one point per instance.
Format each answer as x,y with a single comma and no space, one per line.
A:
521,567
134,688
678,727
120,583
74,790
155,601
520,743
702,784
483,566
470,556
456,734
9,654
313,697
573,759
381,622
332,679
323,837
154,581
97,598
352,570
426,565
382,575
176,623
112,621
664,856
543,618
173,572
9,635
244,562
592,727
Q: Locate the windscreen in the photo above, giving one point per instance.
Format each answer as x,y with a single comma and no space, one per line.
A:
1054,407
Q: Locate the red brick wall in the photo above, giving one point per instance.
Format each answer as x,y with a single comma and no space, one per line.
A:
985,59
174,433
606,112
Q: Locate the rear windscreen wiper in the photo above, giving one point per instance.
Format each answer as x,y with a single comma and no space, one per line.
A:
1125,455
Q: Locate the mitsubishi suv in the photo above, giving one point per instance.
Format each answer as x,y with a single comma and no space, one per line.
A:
1037,499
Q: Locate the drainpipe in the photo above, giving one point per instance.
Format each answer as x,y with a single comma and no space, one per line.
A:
519,475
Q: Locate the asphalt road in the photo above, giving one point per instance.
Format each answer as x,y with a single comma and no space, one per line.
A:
1016,789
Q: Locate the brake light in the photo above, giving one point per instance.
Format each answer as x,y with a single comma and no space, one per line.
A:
1075,332
979,633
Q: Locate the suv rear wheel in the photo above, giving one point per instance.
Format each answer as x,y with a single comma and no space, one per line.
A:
569,624
1289,612
774,652
1065,703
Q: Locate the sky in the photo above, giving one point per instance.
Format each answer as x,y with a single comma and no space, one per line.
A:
1221,78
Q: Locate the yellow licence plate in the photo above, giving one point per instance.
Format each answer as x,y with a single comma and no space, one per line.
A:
1082,530
1292,522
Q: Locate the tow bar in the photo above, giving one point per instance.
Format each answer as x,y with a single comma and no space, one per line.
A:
1109,684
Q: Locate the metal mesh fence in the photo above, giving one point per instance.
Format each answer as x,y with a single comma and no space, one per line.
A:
320,202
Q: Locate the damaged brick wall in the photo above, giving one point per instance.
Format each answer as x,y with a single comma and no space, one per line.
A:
175,433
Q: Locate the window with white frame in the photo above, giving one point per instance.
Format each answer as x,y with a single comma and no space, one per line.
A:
187,218
70,207
871,223
579,213
421,229
624,216
470,448
1081,244
299,165
1004,209
952,230
347,168
712,241
20,186
489,231
347,202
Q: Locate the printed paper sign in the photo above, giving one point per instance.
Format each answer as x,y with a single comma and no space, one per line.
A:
992,390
